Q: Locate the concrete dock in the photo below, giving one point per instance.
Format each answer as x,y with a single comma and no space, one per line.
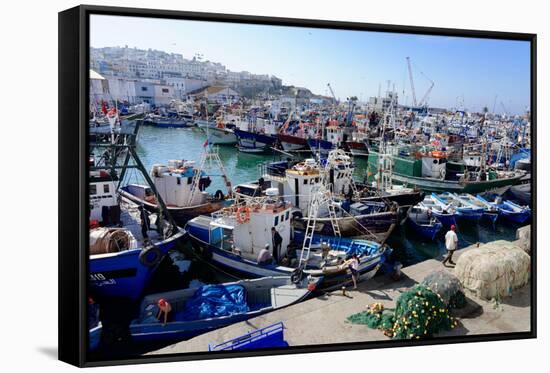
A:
322,320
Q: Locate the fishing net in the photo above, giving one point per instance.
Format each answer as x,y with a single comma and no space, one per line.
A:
493,270
447,286
419,313
376,317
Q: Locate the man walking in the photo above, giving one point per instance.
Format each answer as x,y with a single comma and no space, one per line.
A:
451,243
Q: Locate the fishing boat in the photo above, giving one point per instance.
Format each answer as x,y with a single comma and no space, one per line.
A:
432,172
233,237
292,143
183,186
423,222
446,214
199,310
464,210
357,148
222,135
167,122
252,142
490,212
296,181
507,209
126,243
122,260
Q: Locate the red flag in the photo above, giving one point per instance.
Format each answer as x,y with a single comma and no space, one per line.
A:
205,143
103,107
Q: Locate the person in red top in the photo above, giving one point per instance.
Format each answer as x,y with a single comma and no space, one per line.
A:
164,308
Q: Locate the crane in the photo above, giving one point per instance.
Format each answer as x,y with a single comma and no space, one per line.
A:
332,93
412,80
424,101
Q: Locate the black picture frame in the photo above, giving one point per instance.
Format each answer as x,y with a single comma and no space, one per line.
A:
73,170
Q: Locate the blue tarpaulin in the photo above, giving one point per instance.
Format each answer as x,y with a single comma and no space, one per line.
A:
215,301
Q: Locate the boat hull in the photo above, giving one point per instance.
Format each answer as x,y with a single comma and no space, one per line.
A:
221,136
292,143
181,215
250,142
122,274
434,185
376,226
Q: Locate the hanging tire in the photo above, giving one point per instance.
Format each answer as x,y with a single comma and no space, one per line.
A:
297,275
150,256
219,195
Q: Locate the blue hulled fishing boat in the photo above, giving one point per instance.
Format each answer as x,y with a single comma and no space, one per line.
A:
423,222
465,211
235,237
445,214
252,142
199,310
507,209
126,242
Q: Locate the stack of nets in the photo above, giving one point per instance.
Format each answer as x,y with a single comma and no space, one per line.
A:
419,313
493,270
447,286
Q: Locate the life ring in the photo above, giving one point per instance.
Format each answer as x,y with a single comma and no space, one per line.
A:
243,214
150,256
438,154
219,195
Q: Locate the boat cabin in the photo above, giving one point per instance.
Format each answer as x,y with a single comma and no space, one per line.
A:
434,165
104,207
175,185
335,135
246,230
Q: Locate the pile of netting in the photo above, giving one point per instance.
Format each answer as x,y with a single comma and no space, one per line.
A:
419,313
494,270
448,287
375,317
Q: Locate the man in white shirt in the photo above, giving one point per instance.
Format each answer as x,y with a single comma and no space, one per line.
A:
451,244
265,257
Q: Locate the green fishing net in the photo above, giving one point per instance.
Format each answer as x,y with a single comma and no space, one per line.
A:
447,286
419,313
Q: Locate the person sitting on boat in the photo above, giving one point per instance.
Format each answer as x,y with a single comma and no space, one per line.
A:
451,241
277,242
265,257
164,308
236,250
325,249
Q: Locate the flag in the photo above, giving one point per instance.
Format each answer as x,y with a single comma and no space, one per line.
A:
103,107
205,143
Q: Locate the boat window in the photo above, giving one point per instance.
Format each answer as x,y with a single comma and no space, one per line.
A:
287,215
305,181
435,161
189,180
93,190
316,179
105,188
179,180
276,220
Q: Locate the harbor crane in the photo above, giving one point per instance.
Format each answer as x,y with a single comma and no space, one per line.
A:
424,100
332,93
412,80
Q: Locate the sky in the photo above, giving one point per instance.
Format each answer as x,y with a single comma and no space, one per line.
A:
467,72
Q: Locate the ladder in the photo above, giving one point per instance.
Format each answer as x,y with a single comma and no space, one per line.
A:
322,196
209,157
